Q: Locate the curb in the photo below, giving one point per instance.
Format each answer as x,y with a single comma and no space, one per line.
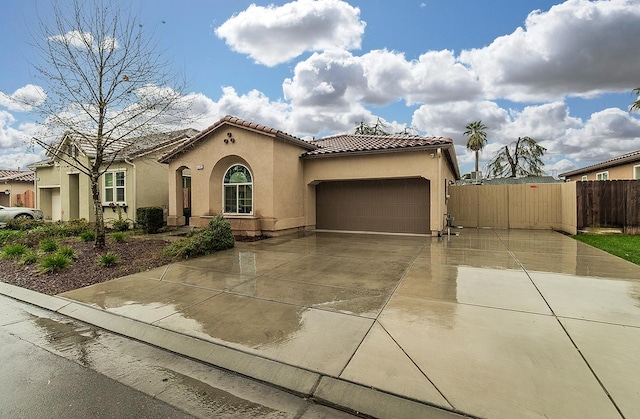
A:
332,391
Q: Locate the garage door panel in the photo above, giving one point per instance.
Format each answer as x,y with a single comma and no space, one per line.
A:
389,205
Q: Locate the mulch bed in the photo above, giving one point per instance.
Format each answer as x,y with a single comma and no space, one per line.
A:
135,255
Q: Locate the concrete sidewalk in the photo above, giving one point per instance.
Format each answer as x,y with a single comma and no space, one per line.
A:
496,324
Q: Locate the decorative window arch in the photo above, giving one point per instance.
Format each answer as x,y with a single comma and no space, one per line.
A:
237,190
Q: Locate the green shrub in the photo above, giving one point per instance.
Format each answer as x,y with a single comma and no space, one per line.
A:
68,252
108,259
53,263
9,236
13,251
121,224
88,236
150,219
118,237
23,224
49,245
76,227
29,258
216,236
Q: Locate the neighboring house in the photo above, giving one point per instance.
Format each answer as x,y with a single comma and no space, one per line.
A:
267,182
16,188
135,178
625,167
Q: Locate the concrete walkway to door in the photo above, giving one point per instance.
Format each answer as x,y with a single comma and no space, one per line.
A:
490,323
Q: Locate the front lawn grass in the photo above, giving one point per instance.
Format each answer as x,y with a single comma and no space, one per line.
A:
626,247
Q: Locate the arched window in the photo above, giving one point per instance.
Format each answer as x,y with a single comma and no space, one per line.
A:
238,190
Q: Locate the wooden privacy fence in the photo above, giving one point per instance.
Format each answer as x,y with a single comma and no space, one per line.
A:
609,204
26,199
526,206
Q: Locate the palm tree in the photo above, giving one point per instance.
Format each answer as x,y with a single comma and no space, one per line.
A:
477,137
636,104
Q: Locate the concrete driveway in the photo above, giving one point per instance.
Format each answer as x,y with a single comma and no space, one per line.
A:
490,323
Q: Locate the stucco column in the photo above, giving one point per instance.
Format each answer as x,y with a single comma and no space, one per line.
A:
175,217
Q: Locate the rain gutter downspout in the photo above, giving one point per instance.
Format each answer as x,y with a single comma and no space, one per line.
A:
440,206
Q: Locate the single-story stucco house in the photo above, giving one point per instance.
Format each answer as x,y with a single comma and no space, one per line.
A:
267,182
134,179
16,188
625,167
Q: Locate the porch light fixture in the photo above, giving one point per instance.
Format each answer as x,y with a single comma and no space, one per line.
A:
7,191
200,167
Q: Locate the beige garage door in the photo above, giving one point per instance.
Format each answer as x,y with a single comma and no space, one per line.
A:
389,205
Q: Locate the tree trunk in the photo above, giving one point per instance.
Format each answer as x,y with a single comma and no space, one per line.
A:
477,158
97,206
513,164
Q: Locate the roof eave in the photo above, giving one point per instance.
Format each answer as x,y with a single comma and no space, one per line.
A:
604,165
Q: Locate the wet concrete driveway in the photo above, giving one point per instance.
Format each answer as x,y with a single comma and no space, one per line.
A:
499,324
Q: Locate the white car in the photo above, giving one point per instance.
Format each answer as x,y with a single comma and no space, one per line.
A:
9,213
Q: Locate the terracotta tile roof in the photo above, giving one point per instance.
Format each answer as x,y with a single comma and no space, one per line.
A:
616,161
17,176
232,120
350,143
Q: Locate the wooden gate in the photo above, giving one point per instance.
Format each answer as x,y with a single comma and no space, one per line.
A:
609,204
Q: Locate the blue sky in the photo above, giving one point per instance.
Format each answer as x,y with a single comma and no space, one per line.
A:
560,72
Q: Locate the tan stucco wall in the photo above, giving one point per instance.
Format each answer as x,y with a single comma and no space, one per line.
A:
409,164
284,184
145,185
277,176
47,179
15,188
622,172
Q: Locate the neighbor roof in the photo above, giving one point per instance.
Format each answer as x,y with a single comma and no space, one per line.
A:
129,148
232,120
135,146
616,161
17,176
351,143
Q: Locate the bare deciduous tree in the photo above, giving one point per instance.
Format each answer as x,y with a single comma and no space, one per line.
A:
365,129
522,158
106,82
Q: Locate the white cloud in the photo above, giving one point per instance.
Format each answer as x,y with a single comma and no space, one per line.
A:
10,137
450,119
577,48
568,139
439,77
607,134
20,160
23,99
275,34
337,79
77,39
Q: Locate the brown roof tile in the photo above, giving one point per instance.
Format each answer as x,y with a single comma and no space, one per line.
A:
351,143
17,176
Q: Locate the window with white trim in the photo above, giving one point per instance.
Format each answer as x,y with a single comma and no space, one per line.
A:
238,191
636,172
602,176
114,187
584,178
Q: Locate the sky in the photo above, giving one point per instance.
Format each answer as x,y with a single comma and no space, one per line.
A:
559,72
